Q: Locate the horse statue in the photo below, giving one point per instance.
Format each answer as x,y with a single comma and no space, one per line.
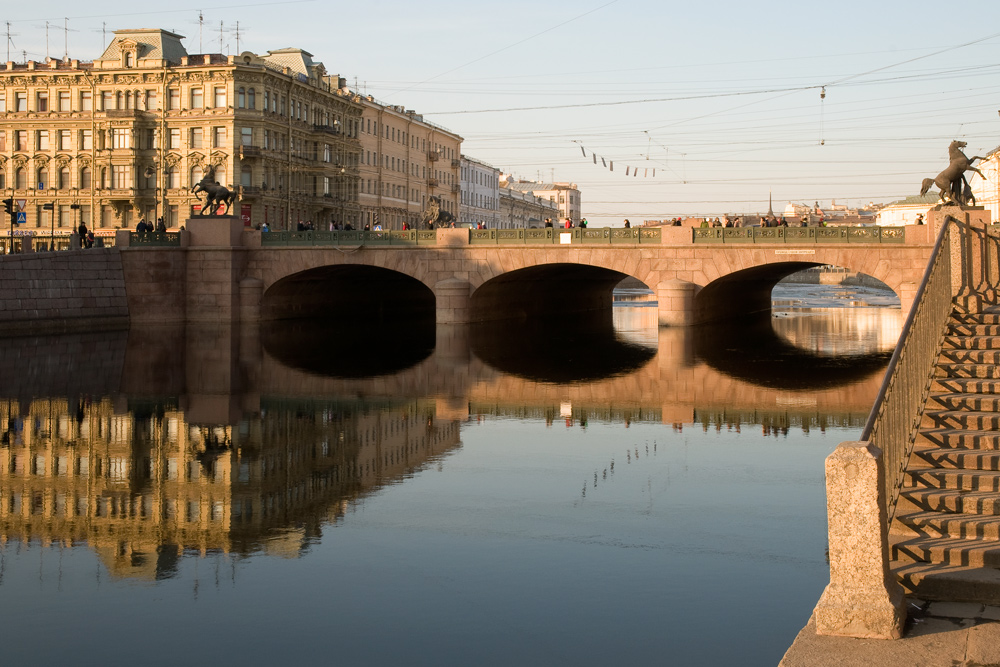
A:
433,216
215,194
954,188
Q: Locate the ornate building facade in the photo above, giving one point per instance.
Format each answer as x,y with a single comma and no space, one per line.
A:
405,160
126,136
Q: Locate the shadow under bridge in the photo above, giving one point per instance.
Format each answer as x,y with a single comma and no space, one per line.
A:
348,292
546,291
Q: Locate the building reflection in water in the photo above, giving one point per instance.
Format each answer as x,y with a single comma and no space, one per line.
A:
142,486
151,445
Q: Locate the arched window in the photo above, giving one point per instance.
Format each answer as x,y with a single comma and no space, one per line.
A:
118,100
173,178
196,175
64,178
128,99
105,178
41,182
3,179
85,183
129,59
241,98
251,99
20,179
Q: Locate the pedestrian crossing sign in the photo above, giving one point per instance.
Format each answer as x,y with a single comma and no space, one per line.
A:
22,217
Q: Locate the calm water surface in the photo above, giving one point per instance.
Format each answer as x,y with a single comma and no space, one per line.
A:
219,497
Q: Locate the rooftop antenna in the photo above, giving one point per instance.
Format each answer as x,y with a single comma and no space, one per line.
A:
221,36
65,38
46,40
10,42
238,37
201,23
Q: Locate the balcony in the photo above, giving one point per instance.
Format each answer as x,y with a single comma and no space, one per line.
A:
250,191
327,129
432,156
455,164
125,113
432,182
249,151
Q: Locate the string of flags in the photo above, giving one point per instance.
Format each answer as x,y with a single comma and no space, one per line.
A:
647,172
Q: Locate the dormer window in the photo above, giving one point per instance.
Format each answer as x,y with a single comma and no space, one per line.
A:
129,59
130,52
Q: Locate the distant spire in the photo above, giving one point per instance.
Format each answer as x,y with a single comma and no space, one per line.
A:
770,209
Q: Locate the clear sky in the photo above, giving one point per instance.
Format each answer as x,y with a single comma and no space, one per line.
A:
722,99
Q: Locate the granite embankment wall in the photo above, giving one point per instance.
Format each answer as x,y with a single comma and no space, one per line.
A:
63,291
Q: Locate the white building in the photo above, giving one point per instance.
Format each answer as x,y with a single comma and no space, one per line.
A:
905,211
480,194
987,192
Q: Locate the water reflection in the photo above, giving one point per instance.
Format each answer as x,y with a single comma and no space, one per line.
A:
158,442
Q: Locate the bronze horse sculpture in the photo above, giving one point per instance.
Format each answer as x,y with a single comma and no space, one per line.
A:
215,194
954,188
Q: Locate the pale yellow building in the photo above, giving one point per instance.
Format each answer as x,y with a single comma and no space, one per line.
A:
566,196
125,137
405,160
987,191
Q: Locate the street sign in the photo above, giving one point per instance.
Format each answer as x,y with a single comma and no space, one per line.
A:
21,204
22,217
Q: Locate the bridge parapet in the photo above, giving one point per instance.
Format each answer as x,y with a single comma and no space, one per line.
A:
799,235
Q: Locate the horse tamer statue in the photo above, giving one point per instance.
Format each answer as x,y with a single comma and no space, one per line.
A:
215,194
954,188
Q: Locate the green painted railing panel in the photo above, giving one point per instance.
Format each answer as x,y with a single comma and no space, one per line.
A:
798,235
160,239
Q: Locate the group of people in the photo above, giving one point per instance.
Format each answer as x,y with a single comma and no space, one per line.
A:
144,227
568,223
86,236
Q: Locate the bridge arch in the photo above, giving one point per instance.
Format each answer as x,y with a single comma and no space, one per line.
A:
347,290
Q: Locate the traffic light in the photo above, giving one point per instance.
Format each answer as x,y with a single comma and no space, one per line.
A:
8,205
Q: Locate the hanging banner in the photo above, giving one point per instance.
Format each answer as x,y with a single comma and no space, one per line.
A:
245,214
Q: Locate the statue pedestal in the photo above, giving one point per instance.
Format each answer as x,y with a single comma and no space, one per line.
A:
215,231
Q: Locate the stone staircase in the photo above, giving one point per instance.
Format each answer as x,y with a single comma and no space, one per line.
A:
945,536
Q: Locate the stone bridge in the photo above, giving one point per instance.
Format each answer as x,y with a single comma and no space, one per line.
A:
222,273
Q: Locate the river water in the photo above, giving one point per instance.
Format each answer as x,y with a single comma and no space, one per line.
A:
532,497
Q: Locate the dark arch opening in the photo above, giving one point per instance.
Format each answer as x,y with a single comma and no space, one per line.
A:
546,292
348,321
747,293
347,291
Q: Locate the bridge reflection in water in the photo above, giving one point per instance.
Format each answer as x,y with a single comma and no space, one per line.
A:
149,444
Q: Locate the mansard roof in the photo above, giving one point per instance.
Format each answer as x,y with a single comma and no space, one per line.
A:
152,43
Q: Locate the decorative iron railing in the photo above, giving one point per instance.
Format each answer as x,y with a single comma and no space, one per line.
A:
136,239
522,236
892,423
799,235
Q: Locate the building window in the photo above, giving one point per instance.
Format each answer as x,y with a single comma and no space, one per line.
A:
64,140
43,101
241,98
246,174
86,100
129,59
3,141
43,140
86,139
121,177
21,140
327,153
220,97
196,175
121,137
196,137
20,101
267,138
251,99
64,100
173,178
197,98
63,181
174,99
246,136
41,178
219,137
107,100
85,183
3,102
152,102
175,138
20,179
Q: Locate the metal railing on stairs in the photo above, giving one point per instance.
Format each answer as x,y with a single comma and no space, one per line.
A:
863,478
892,423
